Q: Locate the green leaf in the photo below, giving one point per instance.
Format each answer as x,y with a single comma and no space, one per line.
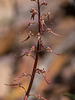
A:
70,95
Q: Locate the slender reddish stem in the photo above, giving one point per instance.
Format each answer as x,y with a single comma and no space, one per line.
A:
39,24
37,55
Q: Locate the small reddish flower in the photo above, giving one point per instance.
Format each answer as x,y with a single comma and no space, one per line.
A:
26,97
50,31
32,48
21,76
43,72
30,23
38,36
40,97
34,12
42,23
44,3
48,49
28,37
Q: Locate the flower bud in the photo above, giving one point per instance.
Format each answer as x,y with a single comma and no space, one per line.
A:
48,30
48,49
38,36
42,20
44,3
26,97
31,22
30,33
32,48
28,54
46,14
34,11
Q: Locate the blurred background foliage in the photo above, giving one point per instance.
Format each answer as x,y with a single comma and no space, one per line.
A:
14,16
